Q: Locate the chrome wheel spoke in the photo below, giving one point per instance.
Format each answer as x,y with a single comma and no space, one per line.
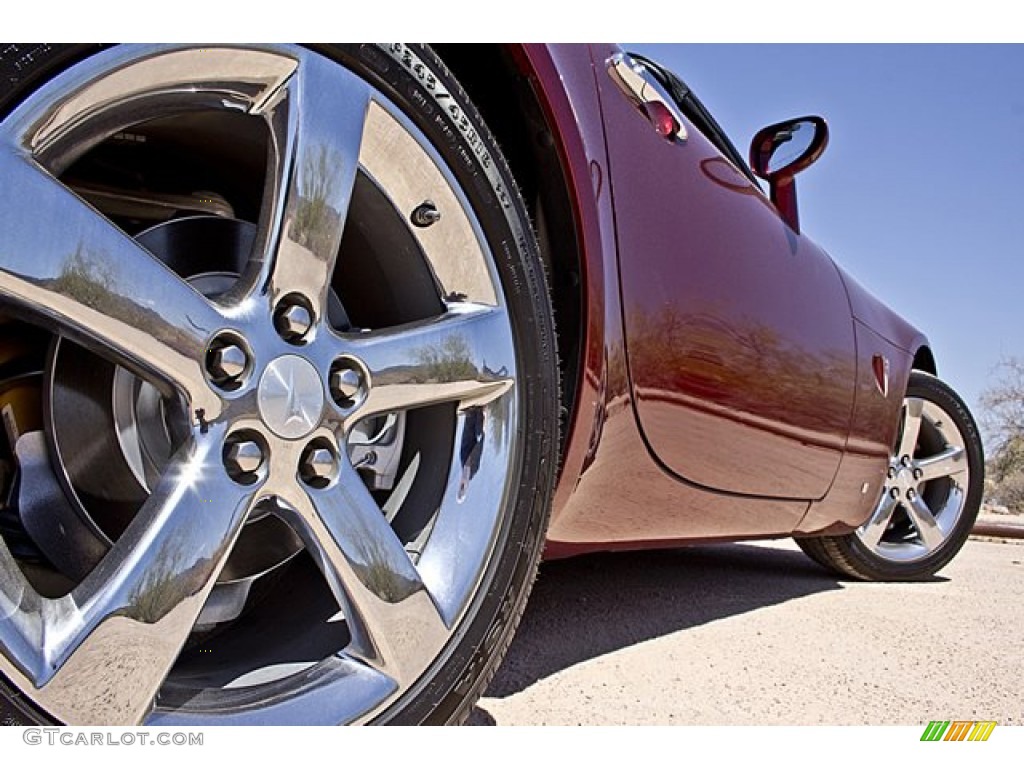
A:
912,410
101,653
395,625
924,522
871,532
67,263
463,356
949,462
316,124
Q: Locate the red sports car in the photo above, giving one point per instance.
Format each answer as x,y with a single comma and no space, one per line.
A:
308,355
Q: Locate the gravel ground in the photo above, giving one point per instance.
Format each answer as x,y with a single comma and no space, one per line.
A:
758,634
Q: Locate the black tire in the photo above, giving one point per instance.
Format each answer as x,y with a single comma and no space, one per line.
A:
850,556
812,547
415,80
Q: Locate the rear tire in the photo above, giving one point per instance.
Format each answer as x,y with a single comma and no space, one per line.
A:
930,497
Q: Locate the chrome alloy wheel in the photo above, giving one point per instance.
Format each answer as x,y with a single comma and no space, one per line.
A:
926,486
267,383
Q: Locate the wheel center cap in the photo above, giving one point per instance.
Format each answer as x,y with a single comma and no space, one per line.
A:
291,397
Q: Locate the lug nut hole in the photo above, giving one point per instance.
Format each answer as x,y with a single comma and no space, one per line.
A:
228,362
347,383
293,318
245,457
318,466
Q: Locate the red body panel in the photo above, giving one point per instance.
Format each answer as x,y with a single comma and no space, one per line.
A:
663,445
738,330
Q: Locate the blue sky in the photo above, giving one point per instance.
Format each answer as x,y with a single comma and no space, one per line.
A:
919,194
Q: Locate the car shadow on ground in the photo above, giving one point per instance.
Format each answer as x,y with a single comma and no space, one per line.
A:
589,606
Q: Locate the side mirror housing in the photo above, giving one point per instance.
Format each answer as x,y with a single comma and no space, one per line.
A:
780,151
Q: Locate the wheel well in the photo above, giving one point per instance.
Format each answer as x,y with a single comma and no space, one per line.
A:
513,113
925,361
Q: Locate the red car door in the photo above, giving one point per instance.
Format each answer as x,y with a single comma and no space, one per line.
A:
738,330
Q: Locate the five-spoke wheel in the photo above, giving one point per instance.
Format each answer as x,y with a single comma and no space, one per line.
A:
273,466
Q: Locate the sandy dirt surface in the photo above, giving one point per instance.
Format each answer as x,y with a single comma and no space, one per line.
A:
758,634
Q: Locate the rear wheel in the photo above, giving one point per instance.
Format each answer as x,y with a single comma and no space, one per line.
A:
279,389
931,496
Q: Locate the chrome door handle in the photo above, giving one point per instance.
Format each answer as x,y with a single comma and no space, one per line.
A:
647,95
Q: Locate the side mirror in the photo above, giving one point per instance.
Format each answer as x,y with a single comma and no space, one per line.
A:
780,151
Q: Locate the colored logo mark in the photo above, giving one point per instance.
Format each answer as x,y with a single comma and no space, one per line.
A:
958,730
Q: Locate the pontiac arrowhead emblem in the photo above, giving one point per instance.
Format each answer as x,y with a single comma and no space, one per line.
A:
291,397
